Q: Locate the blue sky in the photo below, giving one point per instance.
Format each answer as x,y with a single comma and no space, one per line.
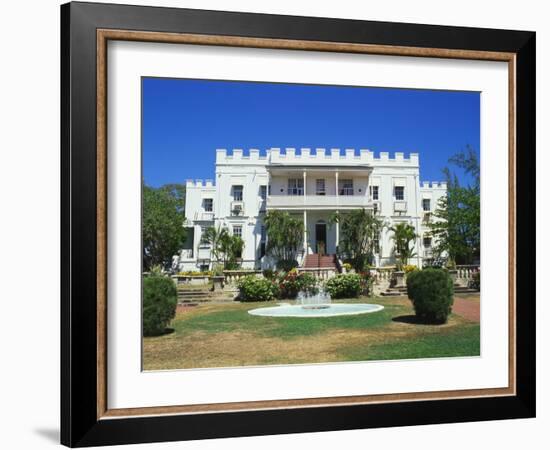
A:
184,121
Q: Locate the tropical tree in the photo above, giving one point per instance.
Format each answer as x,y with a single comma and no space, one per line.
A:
163,233
456,224
359,229
404,234
224,247
285,237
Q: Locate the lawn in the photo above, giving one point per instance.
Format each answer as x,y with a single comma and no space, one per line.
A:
224,335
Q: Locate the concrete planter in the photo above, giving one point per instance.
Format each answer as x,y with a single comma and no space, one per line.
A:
218,283
399,279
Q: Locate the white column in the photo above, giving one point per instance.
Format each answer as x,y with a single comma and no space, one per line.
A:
337,231
336,181
305,233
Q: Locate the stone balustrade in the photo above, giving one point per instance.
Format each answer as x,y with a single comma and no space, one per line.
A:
233,276
319,273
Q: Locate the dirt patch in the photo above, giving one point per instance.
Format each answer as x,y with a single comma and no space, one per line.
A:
467,307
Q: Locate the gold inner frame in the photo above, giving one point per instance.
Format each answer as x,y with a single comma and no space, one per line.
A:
104,35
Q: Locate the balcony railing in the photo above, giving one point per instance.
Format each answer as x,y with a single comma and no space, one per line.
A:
206,216
320,201
400,206
237,208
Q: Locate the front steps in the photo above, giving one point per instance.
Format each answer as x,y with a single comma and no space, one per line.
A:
396,291
203,295
317,261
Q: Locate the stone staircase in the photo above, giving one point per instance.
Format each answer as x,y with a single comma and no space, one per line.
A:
402,290
318,261
205,294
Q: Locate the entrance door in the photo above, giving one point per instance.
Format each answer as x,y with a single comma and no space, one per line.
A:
321,237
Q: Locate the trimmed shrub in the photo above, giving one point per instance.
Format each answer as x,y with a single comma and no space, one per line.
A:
431,293
160,298
255,289
346,285
293,282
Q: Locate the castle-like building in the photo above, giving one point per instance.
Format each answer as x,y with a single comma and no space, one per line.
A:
311,185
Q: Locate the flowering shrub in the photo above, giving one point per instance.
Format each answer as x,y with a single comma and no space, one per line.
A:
347,266
293,282
255,289
367,282
409,268
345,285
195,273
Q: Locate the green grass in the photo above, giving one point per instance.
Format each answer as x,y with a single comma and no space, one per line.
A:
224,335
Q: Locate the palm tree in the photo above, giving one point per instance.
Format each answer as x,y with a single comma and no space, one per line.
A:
403,234
359,229
285,237
214,237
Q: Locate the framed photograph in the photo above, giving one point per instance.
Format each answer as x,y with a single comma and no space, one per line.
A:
276,224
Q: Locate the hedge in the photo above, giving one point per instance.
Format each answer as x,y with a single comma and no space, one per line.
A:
160,298
431,292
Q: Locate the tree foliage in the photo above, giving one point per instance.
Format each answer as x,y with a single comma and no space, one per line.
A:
456,224
404,237
163,233
224,247
285,236
359,229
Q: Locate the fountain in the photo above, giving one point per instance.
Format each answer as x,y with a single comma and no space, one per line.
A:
318,300
318,304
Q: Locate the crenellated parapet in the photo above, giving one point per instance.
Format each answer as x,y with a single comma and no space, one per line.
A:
199,184
317,156
433,185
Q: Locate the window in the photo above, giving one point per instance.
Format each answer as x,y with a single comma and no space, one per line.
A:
374,192
427,242
263,192
295,186
204,242
399,192
426,204
320,186
237,193
262,240
238,230
207,204
345,187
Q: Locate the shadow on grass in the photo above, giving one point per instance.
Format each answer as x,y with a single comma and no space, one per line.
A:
164,333
411,319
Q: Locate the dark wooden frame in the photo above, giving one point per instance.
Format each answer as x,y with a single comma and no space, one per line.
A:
85,27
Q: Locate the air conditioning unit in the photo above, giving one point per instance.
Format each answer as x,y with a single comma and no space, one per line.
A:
400,206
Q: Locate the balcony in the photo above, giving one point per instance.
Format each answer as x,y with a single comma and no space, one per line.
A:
204,216
318,202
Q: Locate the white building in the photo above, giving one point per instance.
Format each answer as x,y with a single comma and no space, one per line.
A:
311,185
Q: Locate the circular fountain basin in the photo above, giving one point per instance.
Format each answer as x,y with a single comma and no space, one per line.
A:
327,310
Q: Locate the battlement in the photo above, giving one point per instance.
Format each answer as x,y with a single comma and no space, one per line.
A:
433,185
199,184
293,156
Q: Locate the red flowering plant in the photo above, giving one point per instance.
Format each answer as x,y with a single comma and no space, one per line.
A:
293,282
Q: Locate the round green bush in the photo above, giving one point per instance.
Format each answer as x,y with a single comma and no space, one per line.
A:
431,293
255,289
346,285
160,298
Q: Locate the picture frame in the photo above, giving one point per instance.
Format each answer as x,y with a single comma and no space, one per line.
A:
86,418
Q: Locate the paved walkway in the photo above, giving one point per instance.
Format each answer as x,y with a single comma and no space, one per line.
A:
467,306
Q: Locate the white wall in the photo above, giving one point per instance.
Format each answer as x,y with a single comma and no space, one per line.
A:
29,174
